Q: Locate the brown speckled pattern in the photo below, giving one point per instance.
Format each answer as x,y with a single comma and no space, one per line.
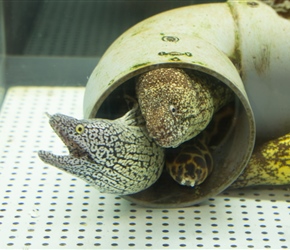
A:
178,106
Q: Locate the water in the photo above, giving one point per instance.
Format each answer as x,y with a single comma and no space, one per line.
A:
51,49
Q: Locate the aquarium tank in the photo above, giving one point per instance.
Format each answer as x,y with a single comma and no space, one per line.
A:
48,51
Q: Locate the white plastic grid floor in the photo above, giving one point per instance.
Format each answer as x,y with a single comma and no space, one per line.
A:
41,207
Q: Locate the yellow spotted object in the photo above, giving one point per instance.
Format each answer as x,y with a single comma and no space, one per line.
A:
187,113
269,164
192,162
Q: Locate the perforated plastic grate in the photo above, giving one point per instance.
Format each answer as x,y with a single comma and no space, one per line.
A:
41,207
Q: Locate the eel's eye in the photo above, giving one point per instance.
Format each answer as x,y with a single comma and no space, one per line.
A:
80,128
173,109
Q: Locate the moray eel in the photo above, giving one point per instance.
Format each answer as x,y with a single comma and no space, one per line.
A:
115,156
177,105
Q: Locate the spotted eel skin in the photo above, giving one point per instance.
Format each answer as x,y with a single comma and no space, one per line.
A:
115,156
178,105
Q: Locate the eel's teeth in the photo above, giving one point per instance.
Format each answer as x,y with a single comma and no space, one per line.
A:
48,115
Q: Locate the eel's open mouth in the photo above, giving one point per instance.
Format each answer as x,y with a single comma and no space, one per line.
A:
64,131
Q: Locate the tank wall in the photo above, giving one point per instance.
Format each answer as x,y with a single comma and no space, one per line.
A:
2,54
60,42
